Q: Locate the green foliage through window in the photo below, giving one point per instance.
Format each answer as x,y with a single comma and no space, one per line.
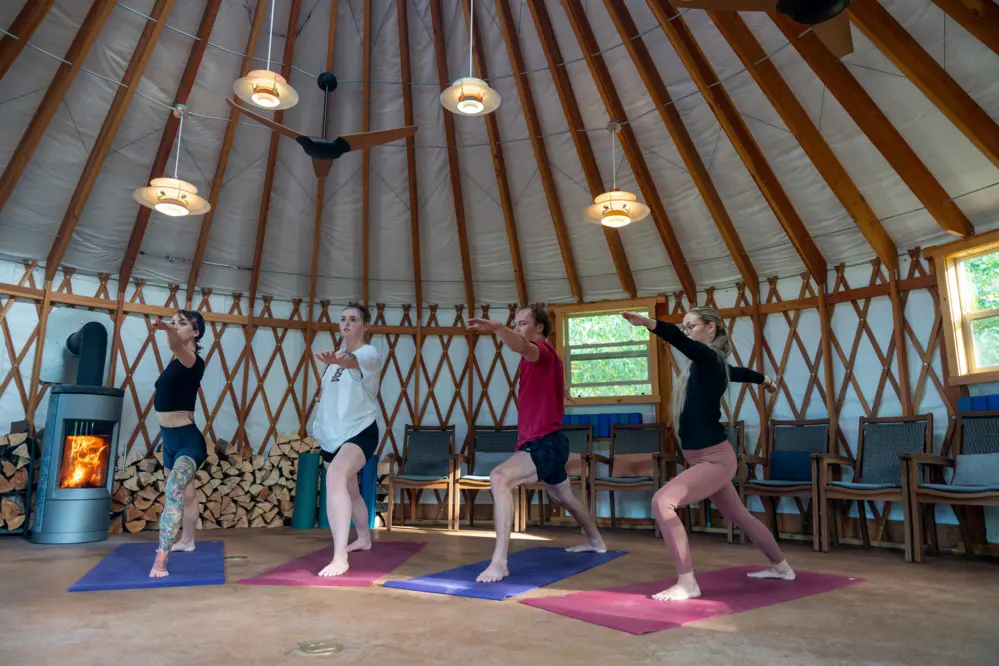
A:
980,291
607,357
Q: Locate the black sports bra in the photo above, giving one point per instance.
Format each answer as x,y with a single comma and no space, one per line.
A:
177,386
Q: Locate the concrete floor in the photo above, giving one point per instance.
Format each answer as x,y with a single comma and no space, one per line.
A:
944,612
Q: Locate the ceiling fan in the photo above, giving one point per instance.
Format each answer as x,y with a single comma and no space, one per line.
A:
826,17
322,150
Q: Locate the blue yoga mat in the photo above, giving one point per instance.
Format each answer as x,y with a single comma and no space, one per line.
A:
127,568
529,569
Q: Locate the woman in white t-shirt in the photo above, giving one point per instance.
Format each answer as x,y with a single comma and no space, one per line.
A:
346,426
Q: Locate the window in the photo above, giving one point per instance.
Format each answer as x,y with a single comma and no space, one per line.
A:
607,360
978,281
967,273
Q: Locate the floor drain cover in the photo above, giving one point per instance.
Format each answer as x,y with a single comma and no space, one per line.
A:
320,647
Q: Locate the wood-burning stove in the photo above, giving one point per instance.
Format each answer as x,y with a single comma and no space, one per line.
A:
79,450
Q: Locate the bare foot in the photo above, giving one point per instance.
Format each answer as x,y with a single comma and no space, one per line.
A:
686,588
159,569
359,544
337,566
493,573
782,571
592,546
183,546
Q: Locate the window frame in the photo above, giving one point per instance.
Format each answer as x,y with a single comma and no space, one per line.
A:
563,313
956,323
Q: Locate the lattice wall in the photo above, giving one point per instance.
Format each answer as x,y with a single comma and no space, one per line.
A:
251,392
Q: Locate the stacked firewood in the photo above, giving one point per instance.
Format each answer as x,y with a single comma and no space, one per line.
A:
243,491
14,459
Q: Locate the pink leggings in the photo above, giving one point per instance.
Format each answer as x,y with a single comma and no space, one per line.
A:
708,475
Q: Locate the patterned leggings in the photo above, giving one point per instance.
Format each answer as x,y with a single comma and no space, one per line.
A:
183,471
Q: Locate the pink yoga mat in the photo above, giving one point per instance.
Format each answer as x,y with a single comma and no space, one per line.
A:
366,566
630,608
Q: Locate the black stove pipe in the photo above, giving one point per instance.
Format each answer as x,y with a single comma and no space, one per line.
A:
90,345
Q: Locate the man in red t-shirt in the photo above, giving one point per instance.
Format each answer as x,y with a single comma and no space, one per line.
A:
542,449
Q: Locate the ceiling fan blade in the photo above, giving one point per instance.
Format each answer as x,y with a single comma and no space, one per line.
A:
280,129
363,140
728,5
835,34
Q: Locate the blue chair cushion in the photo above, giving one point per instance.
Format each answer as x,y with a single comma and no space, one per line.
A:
980,469
791,466
625,479
420,477
776,483
849,485
966,490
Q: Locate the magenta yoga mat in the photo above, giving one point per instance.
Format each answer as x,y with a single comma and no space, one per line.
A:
631,609
366,566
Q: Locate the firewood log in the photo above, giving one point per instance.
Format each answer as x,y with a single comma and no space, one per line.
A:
132,483
10,509
5,485
20,479
142,503
136,525
115,527
14,439
8,468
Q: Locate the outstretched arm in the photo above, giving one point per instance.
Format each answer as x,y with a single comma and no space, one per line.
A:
742,375
697,352
514,341
177,346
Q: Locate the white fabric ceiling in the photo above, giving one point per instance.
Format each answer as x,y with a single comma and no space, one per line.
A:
32,215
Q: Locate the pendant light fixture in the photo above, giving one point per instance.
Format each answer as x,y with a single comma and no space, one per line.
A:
615,208
470,96
263,88
172,196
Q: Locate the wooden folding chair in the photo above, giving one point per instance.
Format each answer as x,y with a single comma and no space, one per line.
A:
428,463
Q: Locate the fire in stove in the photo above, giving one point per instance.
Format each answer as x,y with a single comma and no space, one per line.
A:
84,461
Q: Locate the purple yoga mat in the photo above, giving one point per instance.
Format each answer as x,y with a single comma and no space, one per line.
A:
630,608
366,566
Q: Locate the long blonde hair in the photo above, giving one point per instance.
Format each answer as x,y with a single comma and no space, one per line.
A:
722,344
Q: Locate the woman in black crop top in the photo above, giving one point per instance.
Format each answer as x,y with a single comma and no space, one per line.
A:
710,459
184,448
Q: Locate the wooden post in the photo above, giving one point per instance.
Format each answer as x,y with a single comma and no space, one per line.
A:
898,320
825,319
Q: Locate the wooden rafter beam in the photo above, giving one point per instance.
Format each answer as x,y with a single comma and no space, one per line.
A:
169,136
223,161
685,145
872,122
581,140
883,30
979,17
608,93
22,28
452,155
112,121
407,110
265,204
366,154
272,153
780,95
735,128
499,166
310,325
73,60
524,92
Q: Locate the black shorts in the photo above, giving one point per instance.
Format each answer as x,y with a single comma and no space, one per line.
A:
366,440
549,454
185,440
